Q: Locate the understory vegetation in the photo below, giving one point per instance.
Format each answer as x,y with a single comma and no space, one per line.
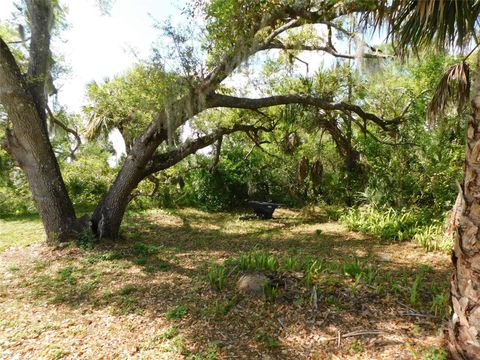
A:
387,223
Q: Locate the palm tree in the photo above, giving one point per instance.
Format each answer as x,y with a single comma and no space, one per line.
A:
446,24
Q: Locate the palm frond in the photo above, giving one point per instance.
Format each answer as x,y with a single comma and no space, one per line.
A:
94,126
454,87
418,23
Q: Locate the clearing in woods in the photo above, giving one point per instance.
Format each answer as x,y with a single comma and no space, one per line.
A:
168,291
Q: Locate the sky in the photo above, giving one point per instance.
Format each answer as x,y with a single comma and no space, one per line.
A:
97,46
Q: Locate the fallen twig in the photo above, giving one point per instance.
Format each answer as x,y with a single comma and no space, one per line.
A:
413,312
353,334
417,314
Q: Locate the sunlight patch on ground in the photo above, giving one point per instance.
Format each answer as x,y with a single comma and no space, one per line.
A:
20,232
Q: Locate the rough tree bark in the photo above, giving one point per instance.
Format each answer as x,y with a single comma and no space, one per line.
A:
27,140
108,214
464,326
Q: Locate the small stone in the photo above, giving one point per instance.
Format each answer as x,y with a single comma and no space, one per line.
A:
252,283
385,257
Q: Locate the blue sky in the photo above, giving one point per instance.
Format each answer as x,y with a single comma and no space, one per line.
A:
96,46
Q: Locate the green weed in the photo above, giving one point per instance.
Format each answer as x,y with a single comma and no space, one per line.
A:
170,333
176,313
270,342
440,304
143,250
269,292
433,238
357,346
216,276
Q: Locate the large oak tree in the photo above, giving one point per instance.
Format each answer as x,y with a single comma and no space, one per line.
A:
235,33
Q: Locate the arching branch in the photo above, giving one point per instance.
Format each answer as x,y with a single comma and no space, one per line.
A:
325,48
165,160
218,100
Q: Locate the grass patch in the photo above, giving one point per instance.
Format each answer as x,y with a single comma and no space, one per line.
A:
176,313
20,232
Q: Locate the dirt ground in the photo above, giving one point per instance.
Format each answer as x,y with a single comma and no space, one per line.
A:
335,294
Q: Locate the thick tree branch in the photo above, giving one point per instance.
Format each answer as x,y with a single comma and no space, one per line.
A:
325,48
41,18
164,161
289,17
218,100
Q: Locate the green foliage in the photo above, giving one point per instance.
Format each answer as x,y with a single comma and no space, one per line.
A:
170,333
269,341
415,288
15,196
312,268
130,101
257,261
85,239
357,346
89,176
433,353
220,189
176,313
269,292
420,225
211,353
386,223
433,238
216,276
289,263
142,249
440,304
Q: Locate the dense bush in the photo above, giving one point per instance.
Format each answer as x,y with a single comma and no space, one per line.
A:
399,225
15,196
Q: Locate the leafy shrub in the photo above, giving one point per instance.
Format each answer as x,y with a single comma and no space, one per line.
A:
387,223
433,238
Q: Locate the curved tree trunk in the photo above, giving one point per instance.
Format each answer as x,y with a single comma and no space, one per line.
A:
108,214
28,143
464,326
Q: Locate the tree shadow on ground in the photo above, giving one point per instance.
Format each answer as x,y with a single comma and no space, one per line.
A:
160,268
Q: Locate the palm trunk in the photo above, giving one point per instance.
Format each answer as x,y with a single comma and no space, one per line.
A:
464,326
